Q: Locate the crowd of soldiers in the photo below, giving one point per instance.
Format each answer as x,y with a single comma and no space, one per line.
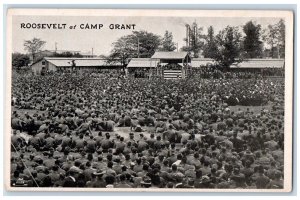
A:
214,72
74,130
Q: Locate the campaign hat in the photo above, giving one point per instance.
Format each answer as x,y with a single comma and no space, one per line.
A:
146,180
99,173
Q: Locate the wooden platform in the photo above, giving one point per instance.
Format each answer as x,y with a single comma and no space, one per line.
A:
172,74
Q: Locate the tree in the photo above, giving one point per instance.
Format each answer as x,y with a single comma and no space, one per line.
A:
67,54
20,60
252,45
167,43
271,38
194,40
148,43
274,36
210,48
281,38
138,44
229,47
33,46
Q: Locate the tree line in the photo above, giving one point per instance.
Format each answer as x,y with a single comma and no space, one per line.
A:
230,45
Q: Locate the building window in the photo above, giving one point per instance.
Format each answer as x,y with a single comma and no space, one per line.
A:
43,62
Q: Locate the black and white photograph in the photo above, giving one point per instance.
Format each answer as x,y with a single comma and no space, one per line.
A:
149,100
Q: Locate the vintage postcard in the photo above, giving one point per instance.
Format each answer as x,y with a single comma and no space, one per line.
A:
149,100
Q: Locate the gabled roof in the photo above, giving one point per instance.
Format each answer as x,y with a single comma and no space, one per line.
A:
141,62
80,62
169,55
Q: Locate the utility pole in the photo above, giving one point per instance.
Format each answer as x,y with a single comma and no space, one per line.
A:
55,47
278,50
177,46
187,35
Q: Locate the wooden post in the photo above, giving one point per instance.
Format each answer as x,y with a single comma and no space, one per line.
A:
187,68
150,67
162,69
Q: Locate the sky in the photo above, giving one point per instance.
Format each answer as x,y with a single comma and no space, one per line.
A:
101,39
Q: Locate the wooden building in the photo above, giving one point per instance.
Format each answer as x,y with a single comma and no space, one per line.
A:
163,64
177,65
53,64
